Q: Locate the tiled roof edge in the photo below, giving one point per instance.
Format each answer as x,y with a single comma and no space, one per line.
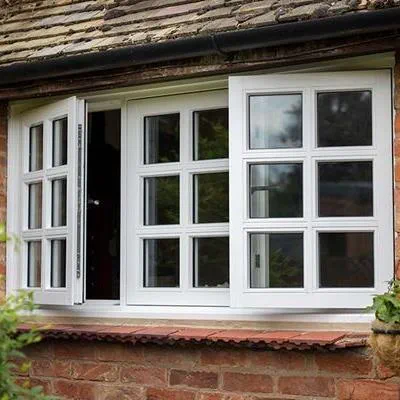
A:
267,339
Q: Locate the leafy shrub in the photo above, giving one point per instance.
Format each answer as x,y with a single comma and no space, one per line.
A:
12,360
387,305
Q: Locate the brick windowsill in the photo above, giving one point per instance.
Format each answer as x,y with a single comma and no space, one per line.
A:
269,339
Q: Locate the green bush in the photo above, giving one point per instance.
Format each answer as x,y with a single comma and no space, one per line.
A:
387,305
12,359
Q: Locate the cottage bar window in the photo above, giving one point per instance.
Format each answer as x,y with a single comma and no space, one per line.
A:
311,220
290,206
178,190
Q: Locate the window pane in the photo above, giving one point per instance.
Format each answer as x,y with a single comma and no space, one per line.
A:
211,198
34,263
59,202
276,121
276,190
276,260
161,262
161,139
161,200
60,138
345,189
58,263
35,206
210,134
345,119
36,148
346,259
211,262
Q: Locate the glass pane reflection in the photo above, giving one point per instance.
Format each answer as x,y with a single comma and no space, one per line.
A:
211,262
35,206
161,262
346,259
345,189
161,134
58,263
59,202
36,148
276,260
34,264
345,118
276,121
276,190
60,144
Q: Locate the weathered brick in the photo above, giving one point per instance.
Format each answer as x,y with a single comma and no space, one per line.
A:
51,368
237,382
221,357
75,390
120,393
144,376
158,355
119,352
307,386
39,350
355,363
367,390
195,379
166,394
75,350
94,371
278,360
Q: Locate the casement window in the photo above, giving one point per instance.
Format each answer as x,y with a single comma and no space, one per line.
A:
275,193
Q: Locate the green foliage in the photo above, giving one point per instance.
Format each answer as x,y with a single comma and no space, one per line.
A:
387,305
12,360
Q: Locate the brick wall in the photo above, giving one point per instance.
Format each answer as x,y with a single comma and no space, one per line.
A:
3,188
107,371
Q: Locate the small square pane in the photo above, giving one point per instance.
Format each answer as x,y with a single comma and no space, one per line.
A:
36,148
59,202
161,196
345,118
161,138
35,205
346,259
211,198
276,260
34,264
276,121
60,142
58,263
161,263
210,134
211,262
276,190
345,189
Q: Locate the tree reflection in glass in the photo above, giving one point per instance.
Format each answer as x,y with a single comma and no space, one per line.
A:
345,118
276,121
276,190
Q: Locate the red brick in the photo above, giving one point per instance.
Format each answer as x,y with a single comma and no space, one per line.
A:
367,390
158,332
384,372
170,356
121,393
144,376
236,382
344,363
39,350
210,396
51,368
220,357
119,352
94,371
397,123
75,390
278,360
307,386
165,394
195,379
45,384
233,335
274,336
79,350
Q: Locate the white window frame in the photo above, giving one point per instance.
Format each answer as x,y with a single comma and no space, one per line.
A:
186,168
241,157
73,110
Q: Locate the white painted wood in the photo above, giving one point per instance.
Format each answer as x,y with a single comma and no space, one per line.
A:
380,153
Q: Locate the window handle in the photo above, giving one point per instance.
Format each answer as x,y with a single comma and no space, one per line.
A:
93,202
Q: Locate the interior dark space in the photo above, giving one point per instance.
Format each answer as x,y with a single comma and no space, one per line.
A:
103,205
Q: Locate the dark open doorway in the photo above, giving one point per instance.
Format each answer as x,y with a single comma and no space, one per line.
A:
103,205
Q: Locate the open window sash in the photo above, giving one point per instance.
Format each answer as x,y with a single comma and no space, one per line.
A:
52,199
277,241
